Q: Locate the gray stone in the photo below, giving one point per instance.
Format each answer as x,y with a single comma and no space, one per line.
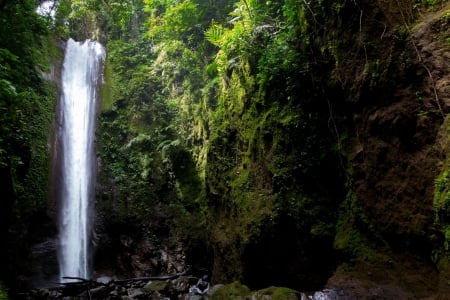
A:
100,292
134,293
104,279
182,283
214,289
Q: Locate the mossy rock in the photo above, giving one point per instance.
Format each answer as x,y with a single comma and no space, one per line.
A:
235,290
276,293
154,286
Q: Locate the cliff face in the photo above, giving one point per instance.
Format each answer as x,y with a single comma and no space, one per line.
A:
29,59
397,151
344,171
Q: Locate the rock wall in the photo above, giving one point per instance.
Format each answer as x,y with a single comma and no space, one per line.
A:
324,172
379,96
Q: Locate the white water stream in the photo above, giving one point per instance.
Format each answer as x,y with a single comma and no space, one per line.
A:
80,77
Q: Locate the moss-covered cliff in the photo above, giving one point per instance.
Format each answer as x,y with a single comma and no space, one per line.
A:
28,91
288,143
296,140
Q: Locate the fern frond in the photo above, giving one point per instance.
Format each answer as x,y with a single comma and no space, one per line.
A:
214,34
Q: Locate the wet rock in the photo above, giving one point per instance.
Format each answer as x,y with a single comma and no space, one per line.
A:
326,294
134,293
158,296
154,286
44,262
192,297
104,279
100,292
187,288
201,287
214,289
182,283
114,294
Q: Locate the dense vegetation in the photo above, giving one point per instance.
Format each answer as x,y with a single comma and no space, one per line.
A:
219,112
273,142
27,105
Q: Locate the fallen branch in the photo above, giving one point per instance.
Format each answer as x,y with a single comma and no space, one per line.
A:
74,288
91,282
83,280
164,277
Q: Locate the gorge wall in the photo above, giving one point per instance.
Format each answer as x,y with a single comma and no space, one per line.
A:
354,152
299,144
314,149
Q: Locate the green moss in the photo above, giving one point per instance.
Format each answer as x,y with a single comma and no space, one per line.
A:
234,290
264,161
155,285
432,4
106,89
276,293
441,198
355,238
440,27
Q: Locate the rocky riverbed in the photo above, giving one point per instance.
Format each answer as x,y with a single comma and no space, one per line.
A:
183,287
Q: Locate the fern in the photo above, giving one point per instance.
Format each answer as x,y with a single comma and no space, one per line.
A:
167,144
214,35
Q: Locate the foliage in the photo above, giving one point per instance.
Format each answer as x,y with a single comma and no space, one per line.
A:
122,12
431,3
139,145
168,21
441,199
77,18
99,20
266,154
233,42
3,292
125,19
27,103
353,229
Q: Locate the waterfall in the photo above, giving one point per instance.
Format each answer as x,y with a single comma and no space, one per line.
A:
76,160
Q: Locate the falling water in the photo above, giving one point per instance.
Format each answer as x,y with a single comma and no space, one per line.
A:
81,71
